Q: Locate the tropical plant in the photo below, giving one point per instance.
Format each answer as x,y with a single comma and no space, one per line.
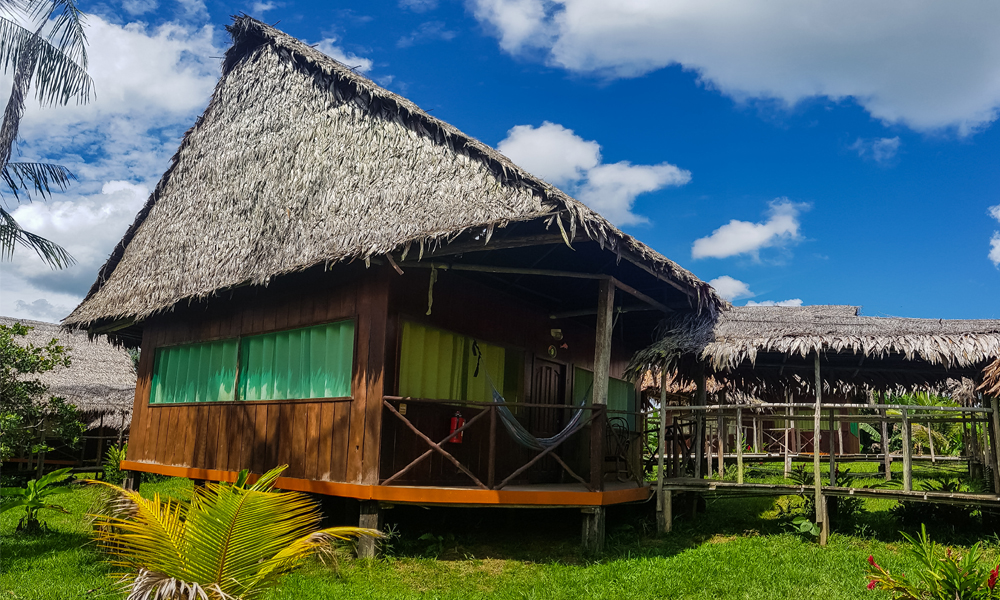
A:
28,416
43,44
229,542
32,497
946,575
112,463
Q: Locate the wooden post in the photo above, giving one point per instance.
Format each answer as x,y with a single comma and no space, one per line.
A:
930,442
824,510
886,457
758,436
708,455
788,435
491,473
40,459
593,529
994,448
699,427
662,525
817,434
833,458
133,479
720,425
602,371
907,451
370,518
739,444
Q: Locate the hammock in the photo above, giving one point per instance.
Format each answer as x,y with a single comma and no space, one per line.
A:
524,437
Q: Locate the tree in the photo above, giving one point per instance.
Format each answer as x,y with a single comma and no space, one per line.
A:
229,542
27,417
42,42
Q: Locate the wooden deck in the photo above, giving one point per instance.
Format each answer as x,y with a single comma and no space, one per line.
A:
690,484
543,495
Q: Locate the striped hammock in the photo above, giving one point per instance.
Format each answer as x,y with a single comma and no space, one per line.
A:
524,437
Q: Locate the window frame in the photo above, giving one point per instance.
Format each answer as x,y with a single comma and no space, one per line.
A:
239,367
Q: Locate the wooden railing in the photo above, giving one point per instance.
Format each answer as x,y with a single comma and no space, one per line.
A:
489,410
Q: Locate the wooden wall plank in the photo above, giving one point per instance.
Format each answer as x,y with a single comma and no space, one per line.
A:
359,386
174,451
300,430
286,428
222,439
260,439
212,437
273,436
311,470
234,437
190,420
202,440
326,433
248,435
378,310
340,440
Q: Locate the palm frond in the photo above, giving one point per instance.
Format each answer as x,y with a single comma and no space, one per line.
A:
37,177
57,76
67,27
12,235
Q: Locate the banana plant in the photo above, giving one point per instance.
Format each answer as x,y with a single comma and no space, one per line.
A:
228,542
32,497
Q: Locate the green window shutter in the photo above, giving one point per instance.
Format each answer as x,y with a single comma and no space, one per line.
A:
313,362
621,396
194,373
439,365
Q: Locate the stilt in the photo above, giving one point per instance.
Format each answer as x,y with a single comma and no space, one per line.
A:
699,428
739,444
370,518
593,529
817,436
788,436
662,518
994,447
133,479
907,451
885,440
824,530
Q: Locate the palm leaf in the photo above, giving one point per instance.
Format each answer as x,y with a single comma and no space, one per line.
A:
11,235
40,177
67,26
57,77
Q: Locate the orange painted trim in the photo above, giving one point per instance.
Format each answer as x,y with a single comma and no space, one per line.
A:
414,495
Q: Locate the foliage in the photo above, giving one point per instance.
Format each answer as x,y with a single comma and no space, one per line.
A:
956,515
112,463
806,527
24,413
42,44
229,541
946,575
32,497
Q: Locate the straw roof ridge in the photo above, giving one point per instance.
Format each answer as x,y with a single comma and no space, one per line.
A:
739,334
99,379
300,161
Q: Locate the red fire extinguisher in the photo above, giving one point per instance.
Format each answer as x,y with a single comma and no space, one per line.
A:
457,422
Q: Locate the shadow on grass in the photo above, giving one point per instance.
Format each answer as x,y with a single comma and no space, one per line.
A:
17,547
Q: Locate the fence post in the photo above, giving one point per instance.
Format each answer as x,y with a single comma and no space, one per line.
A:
663,516
994,448
817,477
739,444
907,455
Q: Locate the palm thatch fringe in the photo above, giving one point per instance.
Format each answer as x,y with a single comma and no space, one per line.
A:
729,345
299,161
991,381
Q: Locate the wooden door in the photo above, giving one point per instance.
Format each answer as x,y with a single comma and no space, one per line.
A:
548,386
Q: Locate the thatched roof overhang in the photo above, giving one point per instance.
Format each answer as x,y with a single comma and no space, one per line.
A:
300,163
765,351
100,380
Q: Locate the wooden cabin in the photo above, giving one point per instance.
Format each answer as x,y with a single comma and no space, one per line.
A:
327,276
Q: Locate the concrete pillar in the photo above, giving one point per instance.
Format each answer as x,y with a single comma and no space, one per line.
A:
593,529
370,518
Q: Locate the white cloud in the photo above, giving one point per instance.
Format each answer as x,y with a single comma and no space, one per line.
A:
418,6
261,7
194,10
427,32
880,150
41,310
792,302
730,288
743,237
151,84
925,63
330,48
994,254
138,7
566,160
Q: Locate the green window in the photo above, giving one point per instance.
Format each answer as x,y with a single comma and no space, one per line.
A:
621,394
194,373
314,362
299,364
440,365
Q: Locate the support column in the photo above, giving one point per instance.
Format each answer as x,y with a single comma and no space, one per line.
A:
370,518
663,517
722,434
739,444
885,439
788,435
817,435
699,423
994,448
133,479
602,370
593,529
907,451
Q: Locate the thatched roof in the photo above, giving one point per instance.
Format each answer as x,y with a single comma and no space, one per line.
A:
299,161
752,346
99,381
991,382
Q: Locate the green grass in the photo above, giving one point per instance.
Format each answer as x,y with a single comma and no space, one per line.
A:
737,548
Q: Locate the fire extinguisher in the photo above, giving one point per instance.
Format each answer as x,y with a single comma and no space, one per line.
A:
457,422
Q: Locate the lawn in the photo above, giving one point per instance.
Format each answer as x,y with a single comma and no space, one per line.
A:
737,548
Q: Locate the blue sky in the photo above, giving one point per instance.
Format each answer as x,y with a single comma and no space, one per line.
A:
815,152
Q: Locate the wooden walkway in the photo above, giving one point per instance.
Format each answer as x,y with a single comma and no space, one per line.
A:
690,484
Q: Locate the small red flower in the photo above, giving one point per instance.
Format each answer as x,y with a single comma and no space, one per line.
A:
871,584
871,560
993,577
